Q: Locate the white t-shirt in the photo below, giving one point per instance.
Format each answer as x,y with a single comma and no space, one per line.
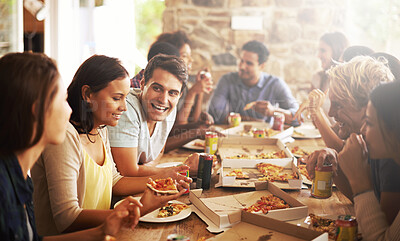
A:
132,130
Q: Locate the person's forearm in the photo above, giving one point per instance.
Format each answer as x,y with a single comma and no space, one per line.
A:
88,218
93,234
183,114
328,135
178,141
130,185
343,184
194,117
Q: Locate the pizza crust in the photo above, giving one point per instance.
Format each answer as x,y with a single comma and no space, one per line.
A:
250,105
160,191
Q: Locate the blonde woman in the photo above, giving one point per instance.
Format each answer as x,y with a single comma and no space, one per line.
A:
350,86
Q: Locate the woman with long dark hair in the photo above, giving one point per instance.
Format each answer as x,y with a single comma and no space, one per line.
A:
380,139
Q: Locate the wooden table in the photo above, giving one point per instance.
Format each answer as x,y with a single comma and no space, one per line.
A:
195,228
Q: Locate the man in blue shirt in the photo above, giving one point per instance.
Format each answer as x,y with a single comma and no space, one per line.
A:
268,93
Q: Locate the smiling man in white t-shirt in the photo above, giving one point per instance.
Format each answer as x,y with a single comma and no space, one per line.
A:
143,129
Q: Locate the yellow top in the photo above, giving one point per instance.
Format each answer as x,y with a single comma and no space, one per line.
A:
99,180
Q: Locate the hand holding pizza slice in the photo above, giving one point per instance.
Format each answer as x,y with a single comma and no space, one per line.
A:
154,198
250,105
164,186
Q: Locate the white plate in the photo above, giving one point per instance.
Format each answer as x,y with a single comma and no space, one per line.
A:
305,180
169,164
152,217
191,145
306,133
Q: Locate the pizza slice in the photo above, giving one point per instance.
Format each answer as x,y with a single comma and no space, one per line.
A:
300,152
199,143
269,155
267,203
171,209
165,186
322,224
303,171
238,173
274,173
249,105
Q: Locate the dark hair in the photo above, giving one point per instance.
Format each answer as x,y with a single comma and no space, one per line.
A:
172,64
259,48
392,62
385,98
178,39
162,48
26,79
96,72
356,50
338,43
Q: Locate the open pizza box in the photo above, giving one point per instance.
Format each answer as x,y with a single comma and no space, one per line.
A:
245,129
225,211
231,147
256,227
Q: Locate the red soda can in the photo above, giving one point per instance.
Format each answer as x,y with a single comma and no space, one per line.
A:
346,228
279,121
259,133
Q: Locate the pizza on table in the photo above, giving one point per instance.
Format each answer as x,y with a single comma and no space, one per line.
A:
274,173
267,203
171,209
166,186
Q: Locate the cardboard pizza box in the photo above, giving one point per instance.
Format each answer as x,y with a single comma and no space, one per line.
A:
242,130
238,146
225,211
256,227
228,147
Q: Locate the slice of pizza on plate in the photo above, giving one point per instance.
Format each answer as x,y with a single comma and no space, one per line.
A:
164,186
171,209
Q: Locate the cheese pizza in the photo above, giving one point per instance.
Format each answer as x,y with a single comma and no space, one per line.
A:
304,172
268,155
166,186
247,131
274,173
238,173
300,152
267,203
